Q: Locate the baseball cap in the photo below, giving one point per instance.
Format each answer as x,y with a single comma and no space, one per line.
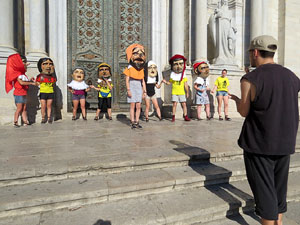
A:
264,42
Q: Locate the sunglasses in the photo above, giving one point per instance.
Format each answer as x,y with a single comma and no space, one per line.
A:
204,67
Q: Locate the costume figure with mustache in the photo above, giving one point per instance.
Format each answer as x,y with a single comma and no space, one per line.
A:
47,80
135,83
104,87
78,88
201,86
180,88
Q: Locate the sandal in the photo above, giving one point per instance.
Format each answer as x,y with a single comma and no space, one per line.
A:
220,118
16,124
138,126
227,118
50,120
84,118
147,119
96,118
110,118
26,123
44,120
73,118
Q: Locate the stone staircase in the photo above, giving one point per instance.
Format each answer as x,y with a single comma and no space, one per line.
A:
194,187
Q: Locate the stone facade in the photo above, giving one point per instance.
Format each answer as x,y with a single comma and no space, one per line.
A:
39,28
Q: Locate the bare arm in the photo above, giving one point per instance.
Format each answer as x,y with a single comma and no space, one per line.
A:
186,87
108,84
247,95
127,86
26,82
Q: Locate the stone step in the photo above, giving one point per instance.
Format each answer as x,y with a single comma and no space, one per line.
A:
187,206
51,195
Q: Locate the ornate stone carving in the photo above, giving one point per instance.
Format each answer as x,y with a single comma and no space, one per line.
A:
223,34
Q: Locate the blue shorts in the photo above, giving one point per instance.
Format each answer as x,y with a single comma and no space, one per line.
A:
222,93
20,99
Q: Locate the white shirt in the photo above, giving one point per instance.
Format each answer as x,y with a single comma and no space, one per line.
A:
75,85
177,76
201,81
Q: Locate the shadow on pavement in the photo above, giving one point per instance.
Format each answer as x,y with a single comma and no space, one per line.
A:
102,222
199,162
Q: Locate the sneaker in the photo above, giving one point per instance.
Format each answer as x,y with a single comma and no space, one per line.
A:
173,118
199,119
138,126
186,118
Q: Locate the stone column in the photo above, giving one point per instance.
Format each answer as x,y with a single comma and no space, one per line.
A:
37,24
201,31
7,28
256,18
177,35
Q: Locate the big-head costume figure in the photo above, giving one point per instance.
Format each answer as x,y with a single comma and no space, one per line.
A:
46,79
178,79
78,88
135,84
104,89
201,69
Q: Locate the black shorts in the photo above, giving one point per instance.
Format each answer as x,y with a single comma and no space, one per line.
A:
268,178
46,96
106,101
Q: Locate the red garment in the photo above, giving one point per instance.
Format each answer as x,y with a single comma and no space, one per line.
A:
15,68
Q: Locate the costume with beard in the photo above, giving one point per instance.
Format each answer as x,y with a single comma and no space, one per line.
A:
202,83
135,71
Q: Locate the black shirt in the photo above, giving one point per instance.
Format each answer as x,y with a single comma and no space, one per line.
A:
271,125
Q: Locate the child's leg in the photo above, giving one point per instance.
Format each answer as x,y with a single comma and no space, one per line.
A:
132,107
183,106
226,105
138,111
147,101
156,106
49,106
199,111
24,114
75,107
174,108
43,108
82,106
207,110
220,99
18,111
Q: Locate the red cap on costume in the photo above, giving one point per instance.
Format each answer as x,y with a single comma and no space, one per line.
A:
177,56
198,63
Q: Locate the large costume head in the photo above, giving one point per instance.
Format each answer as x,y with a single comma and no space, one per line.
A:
152,69
104,71
178,64
46,66
201,69
136,56
16,66
78,74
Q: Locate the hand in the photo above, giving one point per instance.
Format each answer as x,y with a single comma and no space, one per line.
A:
92,86
233,97
32,79
129,93
208,89
212,91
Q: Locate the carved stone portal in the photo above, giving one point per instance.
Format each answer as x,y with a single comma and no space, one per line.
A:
100,31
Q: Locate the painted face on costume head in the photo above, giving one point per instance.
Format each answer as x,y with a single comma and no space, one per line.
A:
203,70
138,58
104,72
78,75
152,71
47,67
177,66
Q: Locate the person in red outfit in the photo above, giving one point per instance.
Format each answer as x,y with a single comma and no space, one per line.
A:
16,78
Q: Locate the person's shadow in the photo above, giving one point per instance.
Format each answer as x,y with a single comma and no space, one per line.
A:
225,190
102,222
